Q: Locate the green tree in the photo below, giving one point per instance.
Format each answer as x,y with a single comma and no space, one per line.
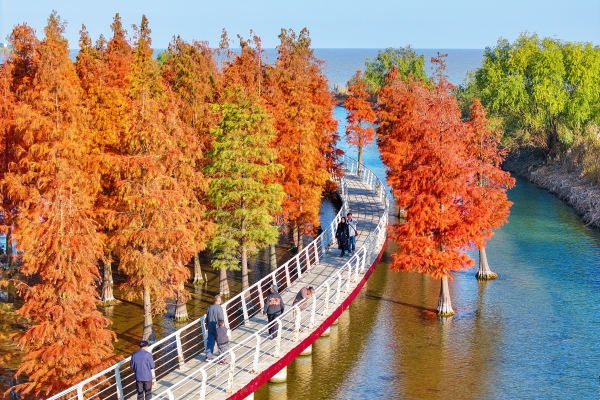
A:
405,59
544,91
243,199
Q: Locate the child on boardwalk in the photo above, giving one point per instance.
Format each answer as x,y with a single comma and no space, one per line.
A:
222,340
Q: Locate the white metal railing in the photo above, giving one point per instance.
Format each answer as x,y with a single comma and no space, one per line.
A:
171,352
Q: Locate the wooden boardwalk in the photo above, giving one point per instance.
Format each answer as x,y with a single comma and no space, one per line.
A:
367,208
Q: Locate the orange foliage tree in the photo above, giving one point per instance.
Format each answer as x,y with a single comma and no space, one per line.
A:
55,186
423,144
488,202
361,116
190,72
103,69
151,208
298,97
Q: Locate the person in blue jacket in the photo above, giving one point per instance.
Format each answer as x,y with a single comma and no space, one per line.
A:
142,365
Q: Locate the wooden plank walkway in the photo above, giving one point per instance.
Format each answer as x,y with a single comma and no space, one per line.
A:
367,209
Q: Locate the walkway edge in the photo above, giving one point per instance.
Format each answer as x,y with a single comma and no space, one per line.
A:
267,374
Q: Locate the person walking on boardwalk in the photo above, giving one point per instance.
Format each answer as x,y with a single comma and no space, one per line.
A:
213,315
342,233
352,234
142,365
222,340
304,293
273,308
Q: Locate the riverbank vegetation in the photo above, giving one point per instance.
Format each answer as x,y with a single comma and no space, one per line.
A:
544,95
120,159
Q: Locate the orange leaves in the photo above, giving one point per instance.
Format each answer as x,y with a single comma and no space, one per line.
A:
444,173
302,107
359,131
54,226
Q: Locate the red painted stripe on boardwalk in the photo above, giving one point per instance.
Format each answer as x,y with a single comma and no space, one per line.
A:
267,374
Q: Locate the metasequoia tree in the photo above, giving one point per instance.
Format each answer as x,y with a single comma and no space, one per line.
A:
361,116
151,209
488,202
68,339
8,154
103,70
422,143
298,98
243,200
16,75
190,72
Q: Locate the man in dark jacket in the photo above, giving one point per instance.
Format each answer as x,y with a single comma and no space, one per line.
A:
142,365
213,315
273,308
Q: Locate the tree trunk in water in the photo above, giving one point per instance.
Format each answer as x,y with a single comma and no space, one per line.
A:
483,272
223,284
198,279
181,313
295,235
444,308
300,240
358,168
272,257
244,268
107,283
9,252
148,334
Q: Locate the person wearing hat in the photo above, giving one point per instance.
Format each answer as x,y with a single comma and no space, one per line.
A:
213,315
142,365
273,308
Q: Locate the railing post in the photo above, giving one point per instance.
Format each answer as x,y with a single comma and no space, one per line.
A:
244,307
204,331
327,296
297,321
278,339
339,287
349,277
256,354
357,266
203,386
274,278
179,351
313,311
364,259
170,394
299,267
118,382
260,296
231,371
287,274
80,392
316,251
225,317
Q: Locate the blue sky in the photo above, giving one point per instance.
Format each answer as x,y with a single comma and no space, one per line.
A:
471,24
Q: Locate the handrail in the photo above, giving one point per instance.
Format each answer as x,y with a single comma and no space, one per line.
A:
245,357
171,352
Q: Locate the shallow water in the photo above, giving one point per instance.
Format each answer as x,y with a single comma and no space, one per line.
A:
531,333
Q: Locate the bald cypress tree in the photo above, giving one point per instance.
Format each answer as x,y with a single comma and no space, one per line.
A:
243,199
67,340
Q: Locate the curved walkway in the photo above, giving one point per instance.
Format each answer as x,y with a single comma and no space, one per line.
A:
253,357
